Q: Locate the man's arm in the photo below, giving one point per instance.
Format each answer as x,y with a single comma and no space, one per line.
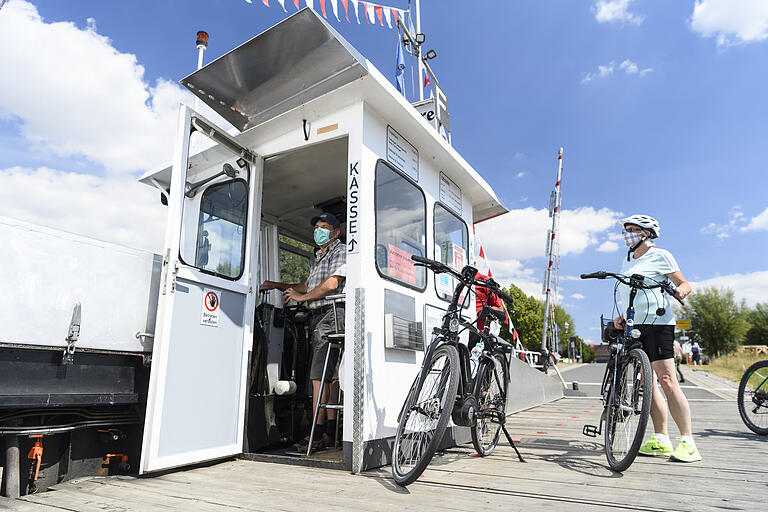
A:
274,285
318,292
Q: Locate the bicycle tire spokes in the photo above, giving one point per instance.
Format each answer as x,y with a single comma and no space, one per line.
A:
424,414
627,411
753,398
491,398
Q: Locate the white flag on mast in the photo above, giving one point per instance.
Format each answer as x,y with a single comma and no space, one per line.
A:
388,16
335,7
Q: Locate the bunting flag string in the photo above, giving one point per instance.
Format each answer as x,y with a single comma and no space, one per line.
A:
370,11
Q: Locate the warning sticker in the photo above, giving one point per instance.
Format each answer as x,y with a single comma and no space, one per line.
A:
210,311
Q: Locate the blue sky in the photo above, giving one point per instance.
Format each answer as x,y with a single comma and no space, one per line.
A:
660,105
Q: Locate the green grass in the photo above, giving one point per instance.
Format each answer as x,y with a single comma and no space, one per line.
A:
731,366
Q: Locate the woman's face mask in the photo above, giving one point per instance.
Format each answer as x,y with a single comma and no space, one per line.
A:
322,236
632,238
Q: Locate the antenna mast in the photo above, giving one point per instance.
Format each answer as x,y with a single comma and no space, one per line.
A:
202,44
550,335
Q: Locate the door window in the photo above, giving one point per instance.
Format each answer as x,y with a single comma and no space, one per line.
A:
220,247
451,241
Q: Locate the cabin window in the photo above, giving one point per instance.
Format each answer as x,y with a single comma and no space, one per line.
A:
295,258
451,243
400,227
220,247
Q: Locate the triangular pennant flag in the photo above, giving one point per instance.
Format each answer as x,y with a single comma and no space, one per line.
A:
346,8
249,1
388,16
365,12
396,15
266,2
322,7
310,3
354,3
282,4
296,3
379,14
371,13
335,7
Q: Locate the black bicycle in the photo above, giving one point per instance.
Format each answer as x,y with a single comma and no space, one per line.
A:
627,389
445,387
753,398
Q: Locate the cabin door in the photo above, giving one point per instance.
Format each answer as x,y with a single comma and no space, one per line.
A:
204,330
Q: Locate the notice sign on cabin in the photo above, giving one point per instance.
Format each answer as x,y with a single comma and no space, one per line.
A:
210,310
400,265
450,193
402,154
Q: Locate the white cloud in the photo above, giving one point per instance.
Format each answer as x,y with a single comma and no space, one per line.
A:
74,95
520,174
577,296
731,21
757,223
627,66
510,239
607,11
630,68
116,209
723,231
608,246
751,287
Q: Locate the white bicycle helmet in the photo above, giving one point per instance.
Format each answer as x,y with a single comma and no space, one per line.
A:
645,222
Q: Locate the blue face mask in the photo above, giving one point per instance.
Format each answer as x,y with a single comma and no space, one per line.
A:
322,236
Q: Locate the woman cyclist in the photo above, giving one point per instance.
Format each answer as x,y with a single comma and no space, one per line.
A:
655,320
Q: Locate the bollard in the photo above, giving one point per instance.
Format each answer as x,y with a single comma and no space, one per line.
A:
11,470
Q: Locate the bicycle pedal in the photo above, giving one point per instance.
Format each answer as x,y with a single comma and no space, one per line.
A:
590,430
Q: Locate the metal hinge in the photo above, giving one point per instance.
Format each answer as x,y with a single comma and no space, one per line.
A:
72,335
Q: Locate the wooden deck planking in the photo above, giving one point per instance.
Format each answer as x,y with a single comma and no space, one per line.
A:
565,471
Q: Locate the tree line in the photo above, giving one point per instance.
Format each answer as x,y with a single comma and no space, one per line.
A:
527,316
719,322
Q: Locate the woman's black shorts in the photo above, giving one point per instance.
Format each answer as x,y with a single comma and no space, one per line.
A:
658,341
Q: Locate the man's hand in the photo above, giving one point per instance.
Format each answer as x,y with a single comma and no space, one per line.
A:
267,285
618,322
291,294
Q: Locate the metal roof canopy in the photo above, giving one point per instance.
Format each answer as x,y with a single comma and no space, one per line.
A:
277,70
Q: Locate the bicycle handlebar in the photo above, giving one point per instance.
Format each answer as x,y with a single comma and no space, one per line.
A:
632,282
439,268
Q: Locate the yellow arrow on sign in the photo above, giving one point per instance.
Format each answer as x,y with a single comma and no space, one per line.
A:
683,324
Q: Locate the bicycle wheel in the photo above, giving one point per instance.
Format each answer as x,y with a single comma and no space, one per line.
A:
425,415
753,398
628,408
490,388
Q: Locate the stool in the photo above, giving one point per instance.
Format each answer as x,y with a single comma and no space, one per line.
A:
335,341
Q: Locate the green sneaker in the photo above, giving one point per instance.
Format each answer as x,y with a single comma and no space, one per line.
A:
685,453
654,448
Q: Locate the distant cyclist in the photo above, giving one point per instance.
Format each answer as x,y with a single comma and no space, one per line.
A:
655,320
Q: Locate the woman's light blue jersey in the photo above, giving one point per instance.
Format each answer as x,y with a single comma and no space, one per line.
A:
654,265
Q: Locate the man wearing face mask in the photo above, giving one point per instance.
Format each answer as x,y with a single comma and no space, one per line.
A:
326,277
655,320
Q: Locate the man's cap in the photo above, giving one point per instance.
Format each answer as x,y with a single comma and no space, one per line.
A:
328,218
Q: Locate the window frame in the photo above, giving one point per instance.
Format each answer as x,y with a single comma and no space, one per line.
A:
376,223
245,231
434,241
